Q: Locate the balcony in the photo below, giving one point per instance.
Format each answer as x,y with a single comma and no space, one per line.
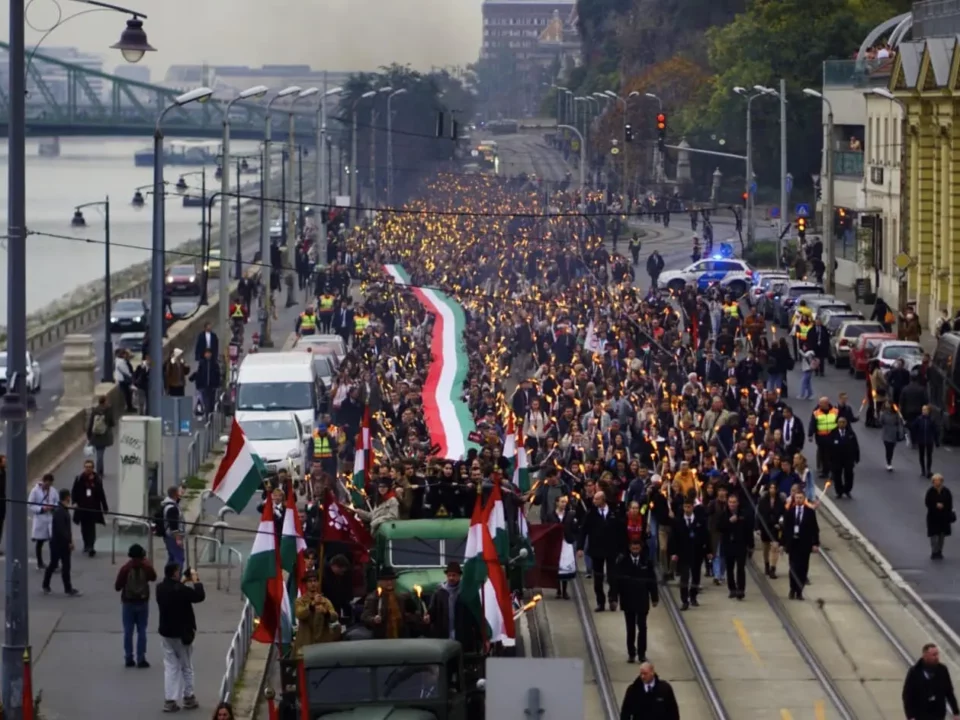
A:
848,163
856,73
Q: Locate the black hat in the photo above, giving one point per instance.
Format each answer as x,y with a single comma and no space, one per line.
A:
136,552
384,482
388,573
454,567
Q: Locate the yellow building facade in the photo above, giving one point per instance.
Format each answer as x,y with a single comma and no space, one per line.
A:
926,81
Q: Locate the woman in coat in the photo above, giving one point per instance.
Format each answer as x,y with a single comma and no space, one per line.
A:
386,509
567,517
891,430
42,501
940,515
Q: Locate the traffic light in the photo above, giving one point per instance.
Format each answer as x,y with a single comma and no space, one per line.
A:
628,132
802,228
745,196
661,131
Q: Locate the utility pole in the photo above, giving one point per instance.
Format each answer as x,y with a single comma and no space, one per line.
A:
373,157
828,235
266,256
784,217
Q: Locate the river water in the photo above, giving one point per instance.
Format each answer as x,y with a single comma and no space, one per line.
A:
89,169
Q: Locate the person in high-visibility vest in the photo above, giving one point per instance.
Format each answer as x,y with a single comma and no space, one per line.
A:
306,323
324,450
325,305
361,322
803,329
823,421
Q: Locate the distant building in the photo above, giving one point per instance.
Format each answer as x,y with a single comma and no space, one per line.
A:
137,73
240,77
56,78
527,43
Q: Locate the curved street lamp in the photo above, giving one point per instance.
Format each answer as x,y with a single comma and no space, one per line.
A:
296,220
322,191
390,97
157,268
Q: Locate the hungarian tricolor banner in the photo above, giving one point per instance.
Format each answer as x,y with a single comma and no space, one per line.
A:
362,460
293,546
263,585
484,585
496,521
447,416
240,472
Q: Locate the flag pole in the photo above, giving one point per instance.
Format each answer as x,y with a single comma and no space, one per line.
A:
483,600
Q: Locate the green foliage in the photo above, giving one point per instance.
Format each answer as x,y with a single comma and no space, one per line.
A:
416,149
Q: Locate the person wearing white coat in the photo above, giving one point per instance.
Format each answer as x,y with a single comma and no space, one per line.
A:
42,501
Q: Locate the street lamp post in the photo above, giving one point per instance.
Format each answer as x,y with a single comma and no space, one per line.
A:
748,181
13,408
255,92
157,269
827,211
79,221
266,256
624,102
783,151
323,185
292,219
204,234
561,95
354,201
390,97
373,145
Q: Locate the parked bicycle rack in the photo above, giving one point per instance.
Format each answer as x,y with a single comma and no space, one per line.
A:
116,523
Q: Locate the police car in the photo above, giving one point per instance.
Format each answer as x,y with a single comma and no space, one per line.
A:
730,273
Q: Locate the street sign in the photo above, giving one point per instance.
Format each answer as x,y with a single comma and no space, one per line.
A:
574,144
753,188
789,183
903,262
802,210
177,412
774,212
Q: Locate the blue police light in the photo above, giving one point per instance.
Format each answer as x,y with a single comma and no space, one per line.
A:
716,256
726,250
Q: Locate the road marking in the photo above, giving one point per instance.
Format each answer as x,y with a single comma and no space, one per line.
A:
819,710
785,715
746,641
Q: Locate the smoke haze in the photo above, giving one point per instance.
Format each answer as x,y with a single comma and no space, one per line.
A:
355,35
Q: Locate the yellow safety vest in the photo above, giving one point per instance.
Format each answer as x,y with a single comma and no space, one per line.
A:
826,421
361,322
326,303
321,446
238,312
307,322
732,310
803,331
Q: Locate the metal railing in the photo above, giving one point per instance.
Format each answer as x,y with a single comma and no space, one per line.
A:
203,443
128,521
237,652
217,543
848,163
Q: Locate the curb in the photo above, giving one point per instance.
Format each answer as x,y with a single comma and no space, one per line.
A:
896,578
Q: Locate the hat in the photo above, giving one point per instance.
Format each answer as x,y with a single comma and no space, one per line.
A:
136,552
454,567
387,573
384,482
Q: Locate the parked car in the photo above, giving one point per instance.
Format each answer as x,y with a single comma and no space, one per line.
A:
864,349
212,266
768,303
182,280
34,379
845,337
892,350
943,385
833,319
129,315
763,283
731,274
789,297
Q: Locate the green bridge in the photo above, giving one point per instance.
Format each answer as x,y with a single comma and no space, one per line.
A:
75,100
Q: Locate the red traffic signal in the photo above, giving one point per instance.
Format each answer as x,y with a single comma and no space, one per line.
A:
661,121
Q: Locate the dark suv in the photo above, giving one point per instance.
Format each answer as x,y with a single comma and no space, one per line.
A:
943,381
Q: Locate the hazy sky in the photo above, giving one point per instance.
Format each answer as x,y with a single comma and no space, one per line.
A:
326,34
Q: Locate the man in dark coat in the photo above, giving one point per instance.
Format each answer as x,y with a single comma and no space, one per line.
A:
688,546
601,533
450,617
818,339
637,586
927,689
844,456
736,539
90,503
801,536
649,698
61,546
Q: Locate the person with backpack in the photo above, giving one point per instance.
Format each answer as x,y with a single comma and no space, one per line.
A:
100,426
168,524
133,584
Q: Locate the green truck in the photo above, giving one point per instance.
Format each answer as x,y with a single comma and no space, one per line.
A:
418,551
409,679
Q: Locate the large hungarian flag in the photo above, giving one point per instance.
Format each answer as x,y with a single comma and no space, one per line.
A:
263,585
240,473
516,453
293,546
362,460
496,521
484,584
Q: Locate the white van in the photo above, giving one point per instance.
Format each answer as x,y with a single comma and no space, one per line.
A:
282,382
